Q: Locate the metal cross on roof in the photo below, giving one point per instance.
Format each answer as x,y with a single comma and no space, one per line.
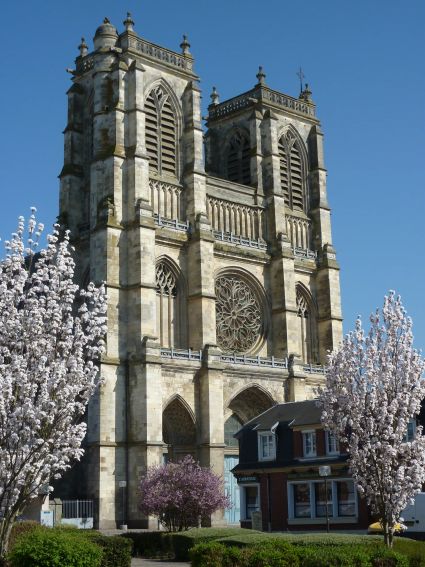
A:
301,76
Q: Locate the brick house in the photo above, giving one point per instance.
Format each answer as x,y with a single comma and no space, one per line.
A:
280,452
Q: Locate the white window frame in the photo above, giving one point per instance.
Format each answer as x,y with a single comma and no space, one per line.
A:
320,519
261,435
242,494
313,452
330,435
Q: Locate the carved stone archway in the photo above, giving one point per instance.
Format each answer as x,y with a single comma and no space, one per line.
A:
178,430
250,402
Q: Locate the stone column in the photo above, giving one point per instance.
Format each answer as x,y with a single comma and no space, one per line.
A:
107,263
201,296
145,444
286,340
211,450
327,278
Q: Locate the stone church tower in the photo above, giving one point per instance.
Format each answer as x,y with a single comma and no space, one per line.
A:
216,248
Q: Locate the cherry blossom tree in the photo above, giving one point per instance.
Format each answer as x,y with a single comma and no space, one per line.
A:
51,338
374,388
181,494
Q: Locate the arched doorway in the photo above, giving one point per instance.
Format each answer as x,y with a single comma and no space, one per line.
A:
244,406
178,430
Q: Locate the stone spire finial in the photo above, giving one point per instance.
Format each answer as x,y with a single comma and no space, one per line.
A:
261,76
306,94
83,47
185,45
129,22
215,96
106,20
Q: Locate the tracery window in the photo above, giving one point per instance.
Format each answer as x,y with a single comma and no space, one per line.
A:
292,175
239,318
238,159
307,328
161,132
231,426
167,306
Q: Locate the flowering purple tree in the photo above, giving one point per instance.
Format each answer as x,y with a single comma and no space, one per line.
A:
181,494
374,388
48,353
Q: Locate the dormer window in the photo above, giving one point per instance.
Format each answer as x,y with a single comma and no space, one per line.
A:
309,443
331,441
266,446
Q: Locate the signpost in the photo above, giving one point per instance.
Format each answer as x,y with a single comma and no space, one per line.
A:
325,471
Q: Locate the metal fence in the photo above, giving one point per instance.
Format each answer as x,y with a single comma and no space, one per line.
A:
77,509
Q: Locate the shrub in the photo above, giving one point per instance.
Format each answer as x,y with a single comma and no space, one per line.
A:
150,544
278,553
116,550
384,557
273,554
208,555
21,528
181,543
55,548
414,550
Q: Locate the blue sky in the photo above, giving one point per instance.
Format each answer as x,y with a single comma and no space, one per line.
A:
362,59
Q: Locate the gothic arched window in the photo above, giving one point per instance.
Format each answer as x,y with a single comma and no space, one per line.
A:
167,306
238,159
161,132
307,327
292,174
231,426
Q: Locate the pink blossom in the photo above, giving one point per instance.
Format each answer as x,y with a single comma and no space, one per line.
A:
181,494
47,375
374,388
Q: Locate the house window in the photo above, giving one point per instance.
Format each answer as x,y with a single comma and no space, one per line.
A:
331,443
309,443
266,446
322,499
250,501
346,498
411,431
309,500
302,505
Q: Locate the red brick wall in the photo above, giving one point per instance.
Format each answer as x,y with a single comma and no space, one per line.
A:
320,442
298,444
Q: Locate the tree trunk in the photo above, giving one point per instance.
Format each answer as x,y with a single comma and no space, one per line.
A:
388,533
5,531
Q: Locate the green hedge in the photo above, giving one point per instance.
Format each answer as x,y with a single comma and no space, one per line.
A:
178,545
54,548
278,553
65,541
150,544
164,544
116,550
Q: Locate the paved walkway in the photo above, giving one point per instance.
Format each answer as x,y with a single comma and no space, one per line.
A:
139,562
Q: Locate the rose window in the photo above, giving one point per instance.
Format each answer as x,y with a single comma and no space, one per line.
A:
238,315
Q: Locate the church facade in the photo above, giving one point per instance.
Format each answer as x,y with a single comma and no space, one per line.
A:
215,245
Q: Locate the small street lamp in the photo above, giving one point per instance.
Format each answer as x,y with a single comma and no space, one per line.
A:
325,471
